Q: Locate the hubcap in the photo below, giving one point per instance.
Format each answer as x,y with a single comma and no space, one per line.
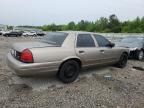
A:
70,71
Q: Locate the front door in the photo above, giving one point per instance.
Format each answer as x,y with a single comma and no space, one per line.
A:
108,54
87,50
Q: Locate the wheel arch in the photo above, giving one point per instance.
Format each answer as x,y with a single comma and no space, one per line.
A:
68,59
125,53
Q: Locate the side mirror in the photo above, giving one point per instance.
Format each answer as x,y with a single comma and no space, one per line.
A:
111,45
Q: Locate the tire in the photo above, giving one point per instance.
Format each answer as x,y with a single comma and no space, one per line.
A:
139,55
122,61
69,71
5,35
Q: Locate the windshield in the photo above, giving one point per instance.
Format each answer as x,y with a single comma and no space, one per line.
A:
55,38
131,40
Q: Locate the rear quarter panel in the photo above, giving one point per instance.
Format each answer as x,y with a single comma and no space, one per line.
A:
51,54
56,54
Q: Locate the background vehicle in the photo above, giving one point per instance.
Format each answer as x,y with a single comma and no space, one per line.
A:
13,34
136,46
29,33
64,54
4,32
0,32
40,33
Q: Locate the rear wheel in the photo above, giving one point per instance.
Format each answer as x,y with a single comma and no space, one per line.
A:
140,55
122,61
69,71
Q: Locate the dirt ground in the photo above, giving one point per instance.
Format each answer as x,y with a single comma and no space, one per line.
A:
93,89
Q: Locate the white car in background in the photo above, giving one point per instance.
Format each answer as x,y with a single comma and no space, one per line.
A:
4,32
30,33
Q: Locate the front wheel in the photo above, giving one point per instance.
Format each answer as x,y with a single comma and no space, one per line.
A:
122,61
69,71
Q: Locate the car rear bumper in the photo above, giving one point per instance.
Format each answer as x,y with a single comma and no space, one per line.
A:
26,69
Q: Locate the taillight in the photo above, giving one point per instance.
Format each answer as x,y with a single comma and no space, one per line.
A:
26,56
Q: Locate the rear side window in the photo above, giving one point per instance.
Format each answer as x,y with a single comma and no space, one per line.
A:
85,40
102,41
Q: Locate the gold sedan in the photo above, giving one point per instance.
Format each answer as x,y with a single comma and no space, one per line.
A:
64,54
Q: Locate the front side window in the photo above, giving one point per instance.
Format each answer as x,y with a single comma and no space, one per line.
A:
55,38
85,40
102,41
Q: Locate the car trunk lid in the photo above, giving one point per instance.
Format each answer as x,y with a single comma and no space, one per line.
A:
28,45
18,48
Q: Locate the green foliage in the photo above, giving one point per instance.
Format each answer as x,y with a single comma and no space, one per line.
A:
10,27
114,24
107,25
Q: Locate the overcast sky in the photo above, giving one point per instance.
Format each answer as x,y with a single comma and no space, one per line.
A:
40,12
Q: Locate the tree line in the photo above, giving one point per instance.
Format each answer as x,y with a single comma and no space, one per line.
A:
102,25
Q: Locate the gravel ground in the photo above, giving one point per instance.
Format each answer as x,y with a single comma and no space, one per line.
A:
93,89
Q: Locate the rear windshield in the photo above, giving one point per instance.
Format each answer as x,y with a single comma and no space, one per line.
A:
55,38
131,40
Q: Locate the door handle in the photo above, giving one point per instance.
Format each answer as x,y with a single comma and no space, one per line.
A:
102,51
81,51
